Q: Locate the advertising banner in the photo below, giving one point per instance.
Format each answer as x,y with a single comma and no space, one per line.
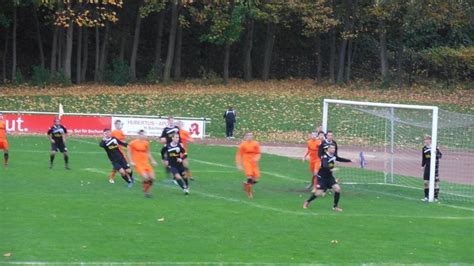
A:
154,126
39,124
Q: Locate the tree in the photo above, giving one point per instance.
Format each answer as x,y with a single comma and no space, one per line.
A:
224,26
316,18
81,13
171,41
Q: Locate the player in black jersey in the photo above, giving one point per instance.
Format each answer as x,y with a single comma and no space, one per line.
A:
426,164
119,163
169,131
173,157
326,179
330,141
57,136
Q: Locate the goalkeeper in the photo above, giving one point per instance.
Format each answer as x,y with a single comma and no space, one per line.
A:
426,163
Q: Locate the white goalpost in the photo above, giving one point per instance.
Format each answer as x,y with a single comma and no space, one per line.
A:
389,138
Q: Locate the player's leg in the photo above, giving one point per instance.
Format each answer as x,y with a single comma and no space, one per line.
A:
426,182
337,195
123,173
66,159
231,130
181,183
436,192
52,155
4,147
112,176
316,192
148,178
189,174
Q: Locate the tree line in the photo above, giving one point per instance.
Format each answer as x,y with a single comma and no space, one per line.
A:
393,41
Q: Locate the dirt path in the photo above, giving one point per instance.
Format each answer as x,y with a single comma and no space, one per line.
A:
408,163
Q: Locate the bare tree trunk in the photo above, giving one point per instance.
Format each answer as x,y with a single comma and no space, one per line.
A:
78,55
248,50
68,53
400,59
332,52
103,52
177,57
349,60
123,44
85,56
319,61
342,57
226,63
159,38
59,58
54,49
4,61
171,42
267,58
383,50
38,37
342,50
332,57
136,39
97,54
15,22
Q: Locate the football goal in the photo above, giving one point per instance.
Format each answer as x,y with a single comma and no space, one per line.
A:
387,140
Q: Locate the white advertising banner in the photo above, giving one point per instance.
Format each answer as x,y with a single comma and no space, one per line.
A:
154,126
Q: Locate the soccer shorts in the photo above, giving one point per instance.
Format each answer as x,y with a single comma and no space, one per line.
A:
3,144
426,175
325,183
251,170
120,163
143,169
178,170
58,146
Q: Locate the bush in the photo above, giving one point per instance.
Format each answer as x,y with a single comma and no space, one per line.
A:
118,73
154,75
209,77
19,78
41,77
449,63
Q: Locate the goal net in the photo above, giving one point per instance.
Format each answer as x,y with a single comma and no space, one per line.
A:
385,142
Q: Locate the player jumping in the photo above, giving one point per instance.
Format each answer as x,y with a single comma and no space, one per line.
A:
118,134
326,179
116,157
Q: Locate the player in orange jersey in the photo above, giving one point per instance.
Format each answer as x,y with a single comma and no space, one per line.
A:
314,160
184,137
118,134
140,157
247,158
3,140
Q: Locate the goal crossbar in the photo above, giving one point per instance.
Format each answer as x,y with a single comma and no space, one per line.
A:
391,106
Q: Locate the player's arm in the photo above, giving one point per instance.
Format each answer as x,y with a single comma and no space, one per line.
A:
325,162
258,155
163,136
64,135
50,136
129,154
124,144
306,154
423,158
102,144
152,160
343,160
438,153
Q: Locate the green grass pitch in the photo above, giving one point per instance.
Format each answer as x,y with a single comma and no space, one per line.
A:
58,216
